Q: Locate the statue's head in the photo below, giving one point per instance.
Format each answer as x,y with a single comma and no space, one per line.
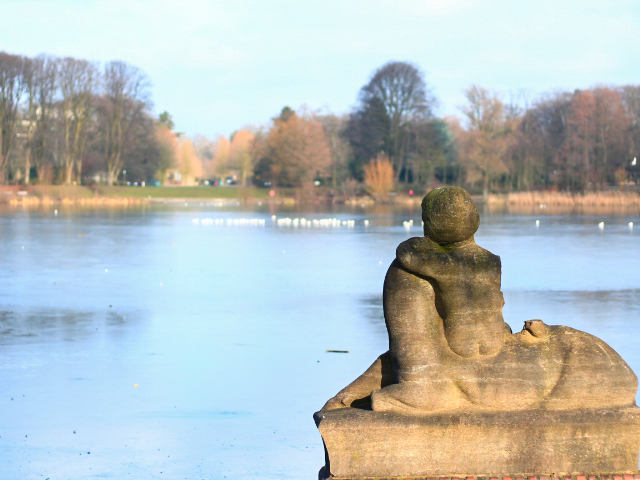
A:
449,215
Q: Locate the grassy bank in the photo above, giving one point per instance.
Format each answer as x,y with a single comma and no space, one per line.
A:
119,195
615,198
189,192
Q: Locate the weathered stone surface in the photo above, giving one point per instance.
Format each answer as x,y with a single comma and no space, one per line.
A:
322,475
361,443
449,348
554,368
459,394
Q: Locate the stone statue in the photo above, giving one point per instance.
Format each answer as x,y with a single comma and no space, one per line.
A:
450,351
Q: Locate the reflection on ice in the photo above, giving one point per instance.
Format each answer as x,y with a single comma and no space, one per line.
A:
52,325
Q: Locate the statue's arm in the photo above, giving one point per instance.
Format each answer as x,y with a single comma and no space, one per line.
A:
358,392
414,256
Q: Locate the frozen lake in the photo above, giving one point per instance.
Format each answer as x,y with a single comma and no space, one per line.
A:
139,344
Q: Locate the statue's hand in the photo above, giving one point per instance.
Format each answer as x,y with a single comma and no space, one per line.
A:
339,401
537,328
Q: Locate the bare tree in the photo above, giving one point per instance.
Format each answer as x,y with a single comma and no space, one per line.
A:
205,149
125,103
334,128
430,150
545,135
367,132
484,142
612,122
12,87
400,87
296,150
631,100
46,79
189,164
77,84
241,155
221,151
167,145
30,117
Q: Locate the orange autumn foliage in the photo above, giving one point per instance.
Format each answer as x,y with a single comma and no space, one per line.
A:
241,155
298,149
379,177
189,165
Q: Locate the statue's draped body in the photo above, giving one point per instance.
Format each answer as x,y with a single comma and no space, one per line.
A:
457,394
449,347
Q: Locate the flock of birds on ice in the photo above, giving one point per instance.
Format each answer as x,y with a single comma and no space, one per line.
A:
312,223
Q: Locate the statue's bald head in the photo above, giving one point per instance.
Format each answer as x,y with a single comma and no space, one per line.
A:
449,215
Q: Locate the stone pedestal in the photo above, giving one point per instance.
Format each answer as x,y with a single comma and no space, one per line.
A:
361,444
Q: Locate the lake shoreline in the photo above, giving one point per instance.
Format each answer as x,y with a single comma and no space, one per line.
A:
117,196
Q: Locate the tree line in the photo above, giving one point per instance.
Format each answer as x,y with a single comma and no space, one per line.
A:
66,120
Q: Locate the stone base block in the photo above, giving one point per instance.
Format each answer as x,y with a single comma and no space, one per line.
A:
324,476
362,444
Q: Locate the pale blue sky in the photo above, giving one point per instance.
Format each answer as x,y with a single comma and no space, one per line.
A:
217,66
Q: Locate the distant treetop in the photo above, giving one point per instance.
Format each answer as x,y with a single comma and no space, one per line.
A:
166,119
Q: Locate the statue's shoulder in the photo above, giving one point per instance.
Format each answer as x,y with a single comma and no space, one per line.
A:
413,253
412,245
488,258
